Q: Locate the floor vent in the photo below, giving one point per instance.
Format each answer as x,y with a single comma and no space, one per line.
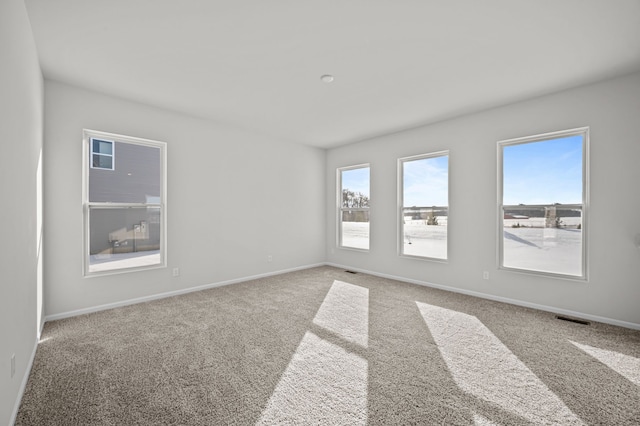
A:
351,272
577,321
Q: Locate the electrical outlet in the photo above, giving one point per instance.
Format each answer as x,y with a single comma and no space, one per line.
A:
269,258
176,272
485,275
13,365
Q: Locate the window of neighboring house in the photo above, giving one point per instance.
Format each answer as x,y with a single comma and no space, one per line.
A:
424,205
543,203
353,210
101,154
124,203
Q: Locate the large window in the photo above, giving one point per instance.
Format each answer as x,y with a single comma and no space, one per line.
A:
353,210
424,205
542,193
124,203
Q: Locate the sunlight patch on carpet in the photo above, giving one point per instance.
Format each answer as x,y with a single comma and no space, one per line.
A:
625,365
484,367
323,384
479,420
345,312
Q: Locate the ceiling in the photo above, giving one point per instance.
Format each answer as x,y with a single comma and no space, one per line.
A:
257,64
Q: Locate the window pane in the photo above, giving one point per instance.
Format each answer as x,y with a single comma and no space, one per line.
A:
102,161
425,232
545,239
102,147
355,229
355,187
544,172
135,179
425,199
123,237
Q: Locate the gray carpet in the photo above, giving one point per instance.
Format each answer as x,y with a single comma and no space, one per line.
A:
322,346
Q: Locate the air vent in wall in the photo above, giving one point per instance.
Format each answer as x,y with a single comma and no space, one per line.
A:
576,320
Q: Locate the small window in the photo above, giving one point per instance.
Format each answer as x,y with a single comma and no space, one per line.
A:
124,208
353,210
102,154
543,203
424,205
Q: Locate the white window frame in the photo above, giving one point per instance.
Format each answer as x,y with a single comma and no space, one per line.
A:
584,132
340,209
400,221
87,150
112,155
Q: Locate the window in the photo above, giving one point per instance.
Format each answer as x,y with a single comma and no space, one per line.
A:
353,211
424,205
543,198
101,154
124,203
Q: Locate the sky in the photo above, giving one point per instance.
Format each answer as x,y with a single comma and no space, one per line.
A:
544,172
426,182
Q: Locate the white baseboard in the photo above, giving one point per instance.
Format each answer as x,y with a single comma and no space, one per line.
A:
525,304
171,293
23,384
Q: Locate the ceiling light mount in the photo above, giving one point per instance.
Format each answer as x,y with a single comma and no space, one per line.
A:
327,78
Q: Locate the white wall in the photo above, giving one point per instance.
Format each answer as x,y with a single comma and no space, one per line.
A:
21,108
233,198
611,109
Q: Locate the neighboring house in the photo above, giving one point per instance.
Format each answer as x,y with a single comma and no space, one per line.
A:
124,173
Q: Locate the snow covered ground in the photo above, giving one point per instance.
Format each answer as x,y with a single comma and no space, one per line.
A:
529,245
425,240
355,235
109,262
553,250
